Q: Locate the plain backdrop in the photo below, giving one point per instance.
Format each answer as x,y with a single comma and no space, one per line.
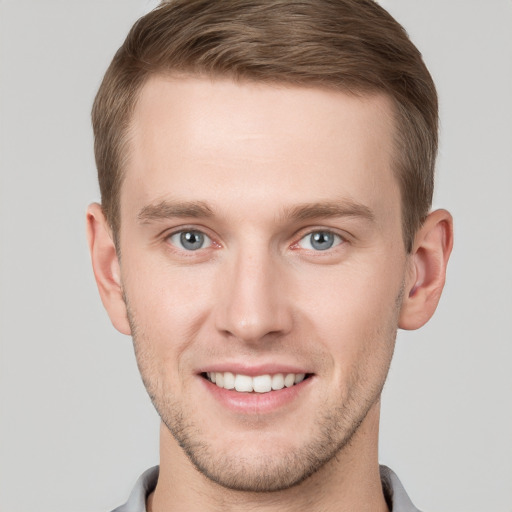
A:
76,426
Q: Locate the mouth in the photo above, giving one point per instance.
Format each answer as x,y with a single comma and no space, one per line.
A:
254,384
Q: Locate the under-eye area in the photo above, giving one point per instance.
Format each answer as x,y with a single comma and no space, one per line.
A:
257,384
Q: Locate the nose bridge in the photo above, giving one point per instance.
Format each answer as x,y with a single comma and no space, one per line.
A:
252,303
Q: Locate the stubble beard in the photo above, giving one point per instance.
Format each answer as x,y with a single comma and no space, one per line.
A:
335,427
268,473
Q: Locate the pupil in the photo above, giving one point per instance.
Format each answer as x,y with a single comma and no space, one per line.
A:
192,240
322,241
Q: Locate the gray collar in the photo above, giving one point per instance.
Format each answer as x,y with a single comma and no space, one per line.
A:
396,497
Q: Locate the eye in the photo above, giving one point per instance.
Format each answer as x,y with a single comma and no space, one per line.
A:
190,240
320,241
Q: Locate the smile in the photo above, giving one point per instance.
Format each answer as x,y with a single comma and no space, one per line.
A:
257,384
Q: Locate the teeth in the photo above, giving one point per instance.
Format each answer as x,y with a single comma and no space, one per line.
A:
229,380
277,381
262,383
299,377
258,384
243,383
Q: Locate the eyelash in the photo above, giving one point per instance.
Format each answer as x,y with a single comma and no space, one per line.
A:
179,233
337,240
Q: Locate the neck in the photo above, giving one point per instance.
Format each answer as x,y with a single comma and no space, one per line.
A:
350,481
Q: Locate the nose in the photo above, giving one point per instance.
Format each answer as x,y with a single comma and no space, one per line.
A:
253,303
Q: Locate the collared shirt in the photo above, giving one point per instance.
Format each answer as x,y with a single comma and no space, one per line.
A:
395,494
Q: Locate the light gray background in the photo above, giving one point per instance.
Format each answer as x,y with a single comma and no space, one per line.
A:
76,427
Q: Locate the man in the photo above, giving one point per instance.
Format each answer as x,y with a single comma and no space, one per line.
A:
266,171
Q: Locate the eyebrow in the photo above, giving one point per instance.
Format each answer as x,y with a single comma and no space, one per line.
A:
200,209
342,208
169,209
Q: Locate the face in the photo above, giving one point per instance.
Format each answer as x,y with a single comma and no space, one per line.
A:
262,267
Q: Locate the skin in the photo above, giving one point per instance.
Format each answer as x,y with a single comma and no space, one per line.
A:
257,169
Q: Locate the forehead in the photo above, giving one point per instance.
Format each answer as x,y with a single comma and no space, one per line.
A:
217,140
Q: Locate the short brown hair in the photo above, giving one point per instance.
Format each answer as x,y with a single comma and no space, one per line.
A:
353,46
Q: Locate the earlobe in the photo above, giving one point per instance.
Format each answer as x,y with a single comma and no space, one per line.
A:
106,267
427,272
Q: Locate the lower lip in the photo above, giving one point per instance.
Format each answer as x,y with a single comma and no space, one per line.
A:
257,403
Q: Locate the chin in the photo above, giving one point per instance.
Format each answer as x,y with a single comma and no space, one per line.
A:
267,471
265,461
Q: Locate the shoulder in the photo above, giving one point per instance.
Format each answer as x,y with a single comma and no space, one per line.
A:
396,496
143,487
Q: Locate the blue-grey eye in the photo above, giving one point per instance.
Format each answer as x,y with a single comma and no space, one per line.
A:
190,240
320,240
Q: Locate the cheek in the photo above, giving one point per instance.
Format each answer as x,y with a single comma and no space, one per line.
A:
167,305
353,308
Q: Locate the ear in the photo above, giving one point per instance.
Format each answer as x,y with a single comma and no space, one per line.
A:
427,272
106,267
